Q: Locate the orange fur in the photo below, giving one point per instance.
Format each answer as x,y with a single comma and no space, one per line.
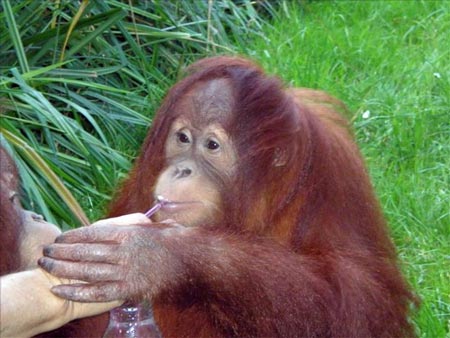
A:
303,249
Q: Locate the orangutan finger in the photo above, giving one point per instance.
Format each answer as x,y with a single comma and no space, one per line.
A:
89,272
100,253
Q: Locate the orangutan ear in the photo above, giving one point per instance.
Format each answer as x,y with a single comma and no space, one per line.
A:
280,157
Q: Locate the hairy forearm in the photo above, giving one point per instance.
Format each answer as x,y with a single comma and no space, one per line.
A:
255,274
28,307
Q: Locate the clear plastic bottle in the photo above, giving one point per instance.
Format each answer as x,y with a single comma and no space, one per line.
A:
132,321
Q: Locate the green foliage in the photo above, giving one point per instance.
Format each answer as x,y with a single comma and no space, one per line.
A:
79,82
389,61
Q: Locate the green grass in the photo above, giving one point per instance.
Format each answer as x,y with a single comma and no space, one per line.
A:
391,59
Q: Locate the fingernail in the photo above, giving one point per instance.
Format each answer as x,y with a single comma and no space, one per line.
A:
47,251
45,263
41,262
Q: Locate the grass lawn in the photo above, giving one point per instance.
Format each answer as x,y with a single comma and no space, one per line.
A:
390,62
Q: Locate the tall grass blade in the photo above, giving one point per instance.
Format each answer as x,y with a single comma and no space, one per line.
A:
72,25
15,37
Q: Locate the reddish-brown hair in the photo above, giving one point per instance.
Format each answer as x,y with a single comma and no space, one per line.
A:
10,218
301,181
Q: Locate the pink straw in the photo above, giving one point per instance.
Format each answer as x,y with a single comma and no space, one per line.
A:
158,205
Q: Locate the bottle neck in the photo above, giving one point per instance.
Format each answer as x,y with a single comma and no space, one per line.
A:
131,313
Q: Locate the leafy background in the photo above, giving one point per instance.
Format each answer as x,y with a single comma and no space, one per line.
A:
80,81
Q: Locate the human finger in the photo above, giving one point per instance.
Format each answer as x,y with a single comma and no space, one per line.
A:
98,292
130,219
90,234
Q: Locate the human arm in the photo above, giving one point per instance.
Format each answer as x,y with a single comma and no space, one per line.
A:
28,307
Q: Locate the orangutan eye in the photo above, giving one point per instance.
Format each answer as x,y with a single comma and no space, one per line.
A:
212,145
182,137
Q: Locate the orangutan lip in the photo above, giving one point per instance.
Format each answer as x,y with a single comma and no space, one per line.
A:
173,206
163,204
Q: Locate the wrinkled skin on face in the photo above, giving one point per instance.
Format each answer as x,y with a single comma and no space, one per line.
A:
200,157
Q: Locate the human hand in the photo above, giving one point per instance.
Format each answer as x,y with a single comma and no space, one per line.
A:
24,292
